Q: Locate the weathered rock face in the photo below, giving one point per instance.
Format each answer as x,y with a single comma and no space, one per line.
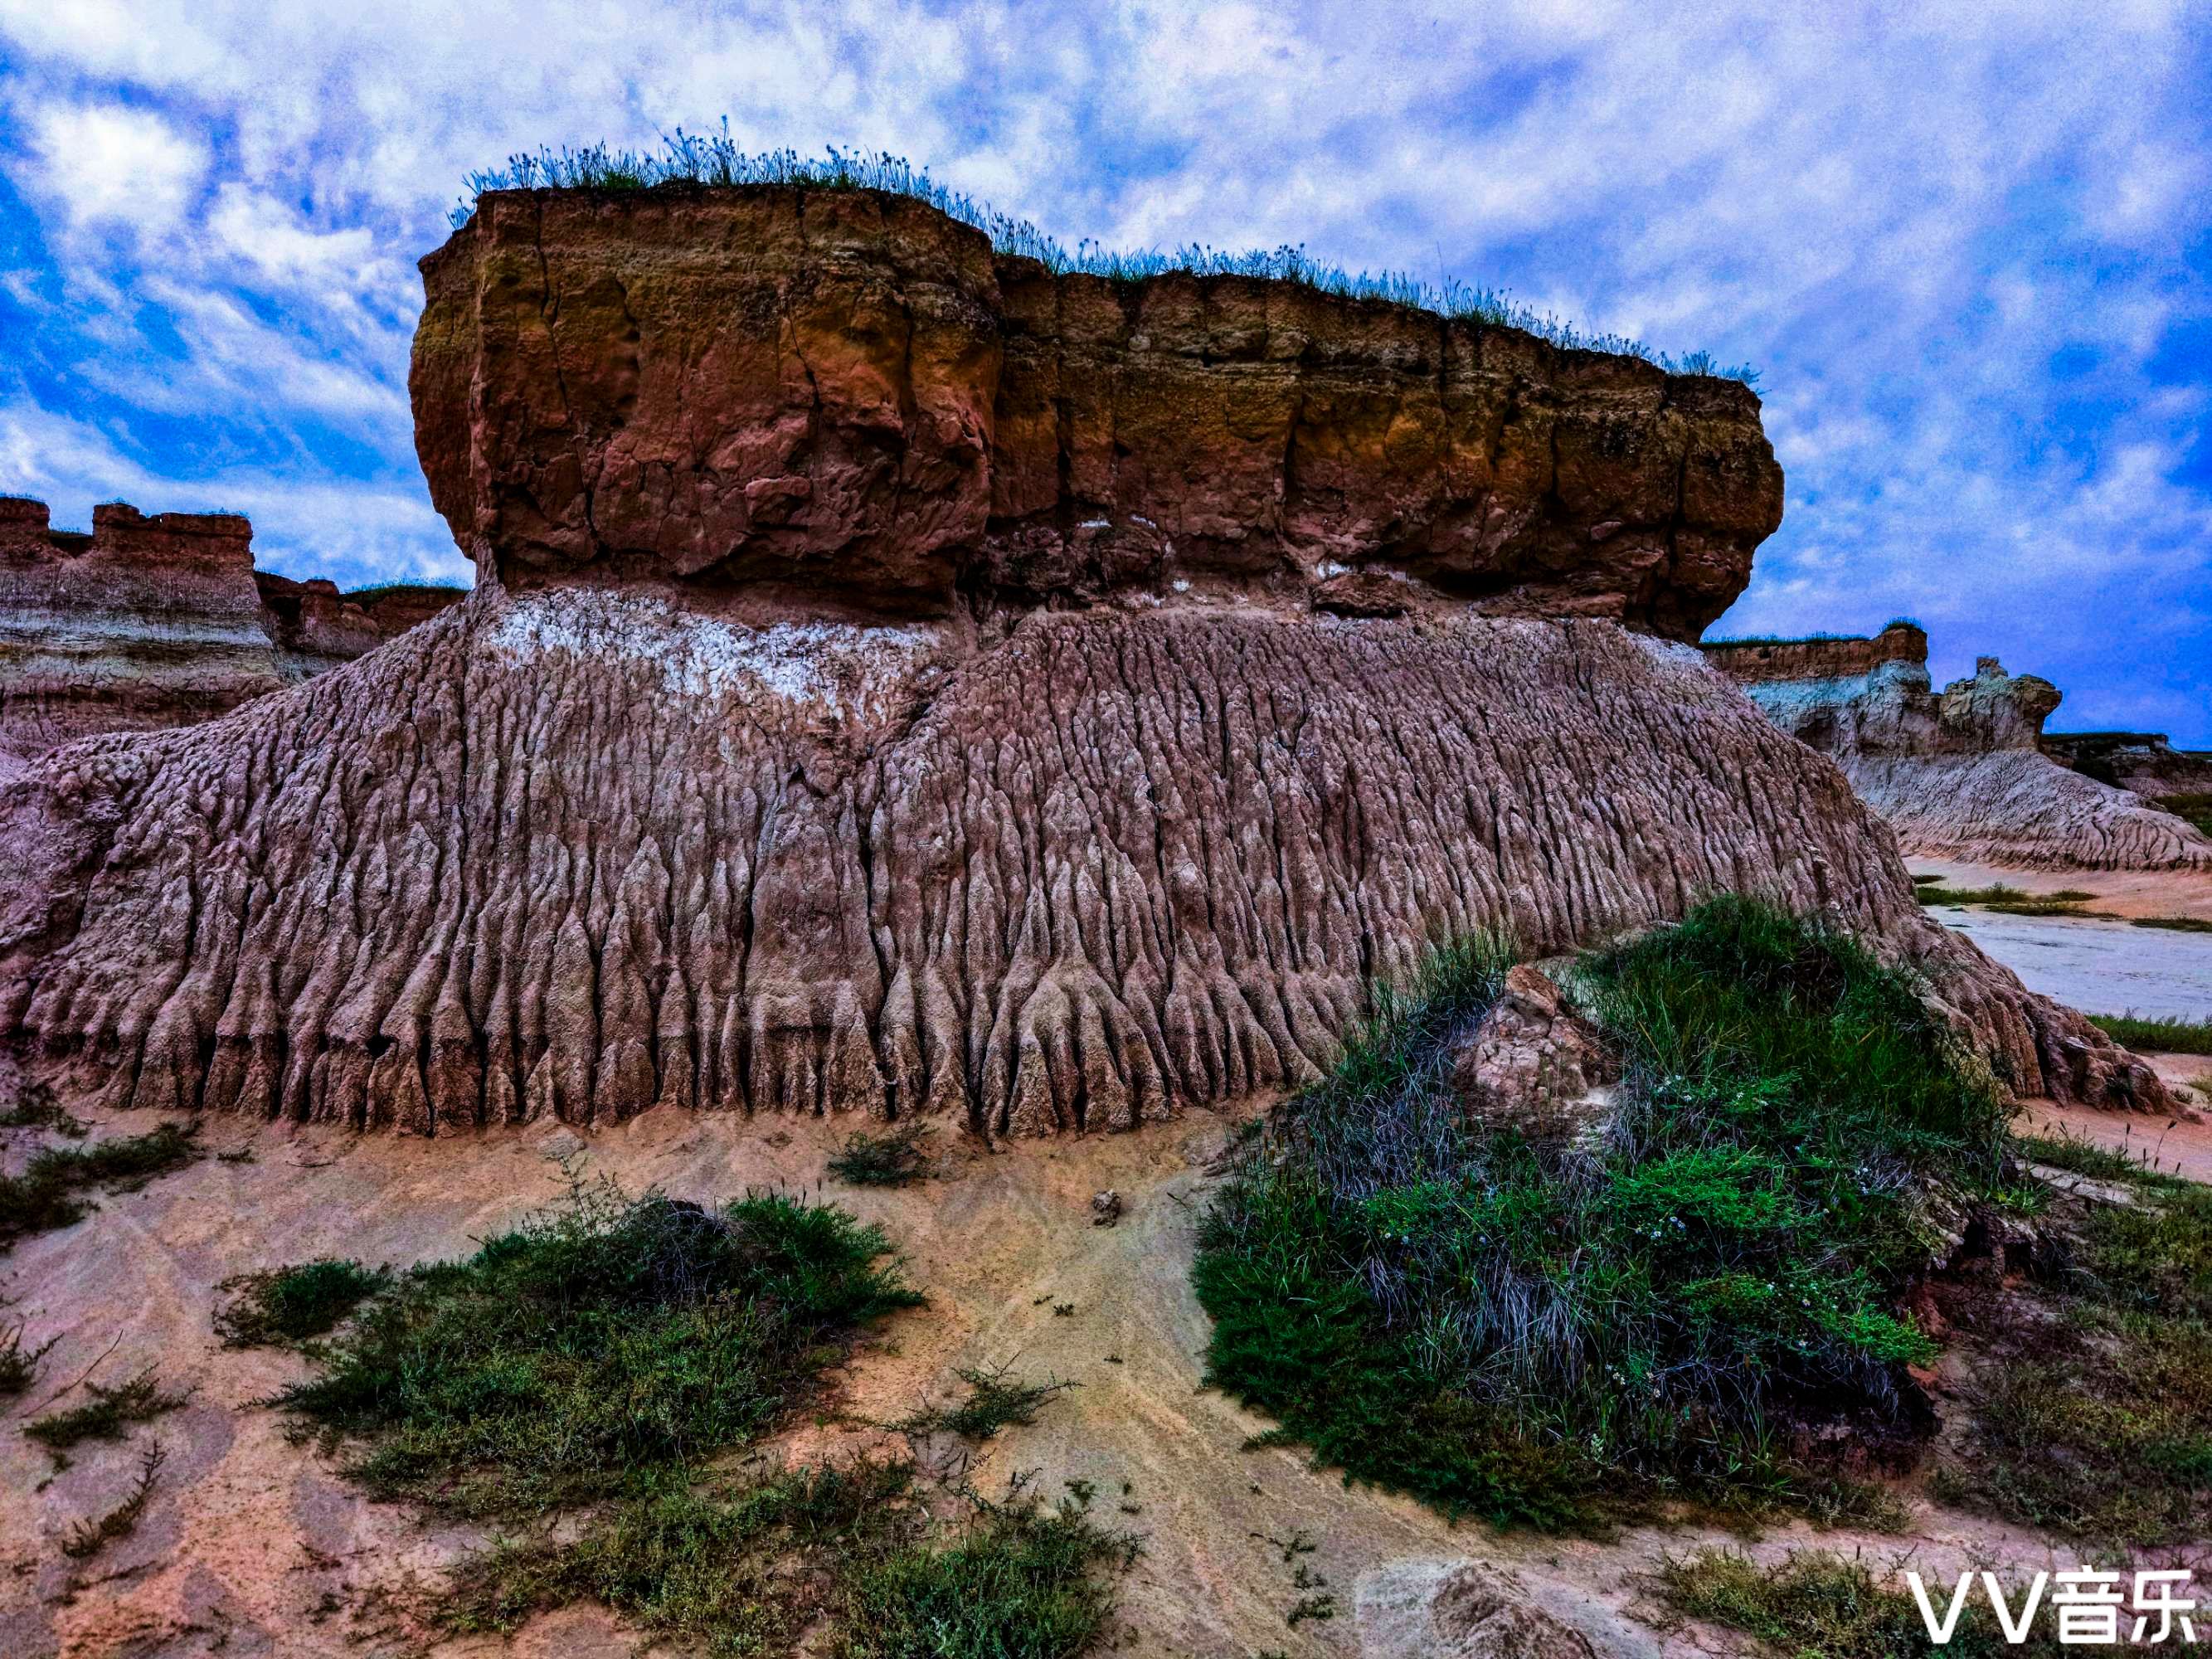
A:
1533,1065
831,814
1961,775
2142,762
844,401
150,623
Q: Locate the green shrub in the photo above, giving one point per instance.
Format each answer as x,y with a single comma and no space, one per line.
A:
994,1401
891,1160
107,1415
294,1304
1512,1329
2157,1036
1819,1605
45,1196
2174,924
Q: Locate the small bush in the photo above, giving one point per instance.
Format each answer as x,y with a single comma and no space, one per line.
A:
89,1537
891,1160
2157,1036
36,1109
2195,809
108,1415
994,1401
19,1365
44,1197
2174,924
294,1305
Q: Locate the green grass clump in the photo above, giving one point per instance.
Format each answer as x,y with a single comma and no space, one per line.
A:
1820,1605
606,1361
108,1415
2195,809
36,1109
1022,1584
2163,1036
890,1159
594,1348
1511,1329
46,1195
2010,901
995,1399
2085,1158
2176,924
296,1303
688,160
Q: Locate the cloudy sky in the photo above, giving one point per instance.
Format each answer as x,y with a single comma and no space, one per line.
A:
1970,247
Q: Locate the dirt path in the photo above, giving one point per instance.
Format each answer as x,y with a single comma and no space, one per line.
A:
254,1546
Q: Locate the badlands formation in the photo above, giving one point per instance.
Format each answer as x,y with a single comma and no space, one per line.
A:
901,679
1961,775
146,623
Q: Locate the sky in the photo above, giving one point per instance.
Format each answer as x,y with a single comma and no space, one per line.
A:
1968,247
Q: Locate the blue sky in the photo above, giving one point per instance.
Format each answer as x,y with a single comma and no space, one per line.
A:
1969,248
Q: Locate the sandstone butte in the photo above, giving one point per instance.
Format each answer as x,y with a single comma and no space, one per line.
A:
1961,774
150,623
903,680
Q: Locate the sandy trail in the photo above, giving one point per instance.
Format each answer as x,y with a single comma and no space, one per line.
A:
254,1546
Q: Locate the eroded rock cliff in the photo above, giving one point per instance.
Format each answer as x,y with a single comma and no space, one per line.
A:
145,623
1961,773
844,399
802,748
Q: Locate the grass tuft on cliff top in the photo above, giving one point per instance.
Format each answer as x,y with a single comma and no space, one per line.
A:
1546,1335
688,159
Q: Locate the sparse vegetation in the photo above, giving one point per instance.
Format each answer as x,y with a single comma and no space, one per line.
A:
2010,901
46,1195
35,1108
890,1159
108,1415
1538,1335
1820,1605
89,1537
19,1365
2110,1368
2175,924
2157,1036
604,1361
294,1305
2084,1158
995,1399
689,161
2195,809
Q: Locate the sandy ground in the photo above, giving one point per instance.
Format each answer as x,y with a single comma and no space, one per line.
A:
254,1546
2101,967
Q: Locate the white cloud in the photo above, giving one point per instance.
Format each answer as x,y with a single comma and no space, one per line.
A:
110,163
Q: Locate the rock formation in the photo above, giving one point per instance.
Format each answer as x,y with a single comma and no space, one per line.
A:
150,623
2142,762
1961,775
901,680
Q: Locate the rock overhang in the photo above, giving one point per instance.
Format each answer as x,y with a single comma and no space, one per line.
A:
845,401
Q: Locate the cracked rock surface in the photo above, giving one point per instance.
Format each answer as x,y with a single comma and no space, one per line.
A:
579,852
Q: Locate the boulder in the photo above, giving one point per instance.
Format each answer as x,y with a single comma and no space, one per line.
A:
1467,1609
1533,1065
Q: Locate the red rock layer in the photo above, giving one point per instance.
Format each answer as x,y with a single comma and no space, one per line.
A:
844,401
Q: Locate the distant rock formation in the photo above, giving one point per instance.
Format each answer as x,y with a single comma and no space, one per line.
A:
901,681
146,624
1962,774
2141,762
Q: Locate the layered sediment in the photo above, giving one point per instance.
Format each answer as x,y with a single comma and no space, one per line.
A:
860,709
148,622
1961,774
